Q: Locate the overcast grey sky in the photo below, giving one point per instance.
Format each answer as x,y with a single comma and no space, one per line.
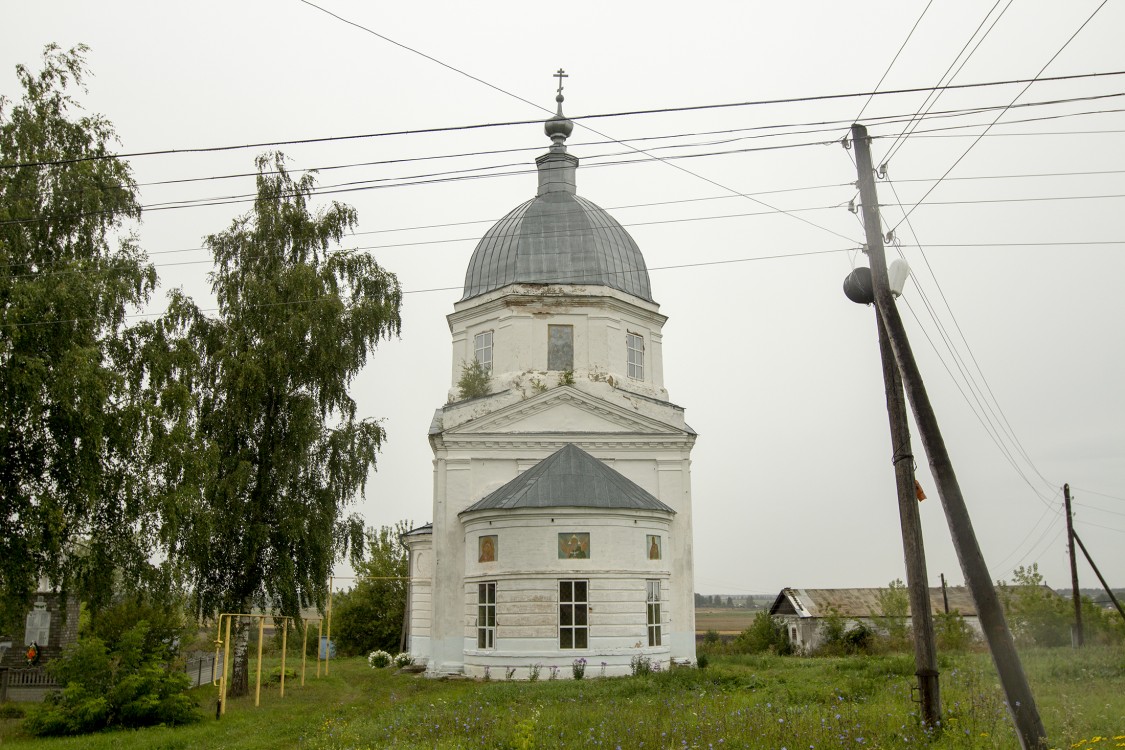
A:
1024,245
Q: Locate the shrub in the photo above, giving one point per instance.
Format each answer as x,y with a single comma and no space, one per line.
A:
640,665
379,659
951,631
127,686
474,380
1036,615
403,660
764,634
578,668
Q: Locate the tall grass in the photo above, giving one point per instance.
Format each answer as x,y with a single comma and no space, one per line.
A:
760,701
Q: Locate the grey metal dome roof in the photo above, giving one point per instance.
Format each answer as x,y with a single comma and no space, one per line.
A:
557,237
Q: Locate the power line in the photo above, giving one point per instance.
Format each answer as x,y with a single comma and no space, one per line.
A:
894,59
927,104
953,166
822,126
568,280
479,126
970,379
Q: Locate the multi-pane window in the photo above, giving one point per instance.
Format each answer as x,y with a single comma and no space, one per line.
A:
560,347
652,599
482,349
574,605
635,349
486,615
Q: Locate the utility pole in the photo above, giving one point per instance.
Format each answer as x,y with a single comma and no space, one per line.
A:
944,594
1020,700
1078,639
1101,578
914,553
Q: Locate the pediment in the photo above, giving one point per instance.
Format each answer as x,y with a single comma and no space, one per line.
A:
565,410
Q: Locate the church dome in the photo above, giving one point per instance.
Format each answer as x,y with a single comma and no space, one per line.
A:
557,237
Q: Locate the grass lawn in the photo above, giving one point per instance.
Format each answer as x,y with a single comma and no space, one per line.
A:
738,701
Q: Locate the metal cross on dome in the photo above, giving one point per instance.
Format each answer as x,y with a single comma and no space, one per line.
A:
561,75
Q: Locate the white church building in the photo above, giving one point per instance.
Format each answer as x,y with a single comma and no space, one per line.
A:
562,499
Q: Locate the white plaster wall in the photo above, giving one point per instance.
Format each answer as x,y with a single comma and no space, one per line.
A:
518,317
420,548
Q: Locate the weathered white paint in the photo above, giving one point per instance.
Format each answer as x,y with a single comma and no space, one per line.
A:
480,444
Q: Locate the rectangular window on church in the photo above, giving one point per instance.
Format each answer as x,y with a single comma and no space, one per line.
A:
652,600
560,347
574,606
486,615
635,348
482,349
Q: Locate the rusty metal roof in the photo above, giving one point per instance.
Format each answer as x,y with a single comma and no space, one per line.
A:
861,602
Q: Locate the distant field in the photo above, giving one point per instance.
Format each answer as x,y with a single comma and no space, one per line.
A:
725,621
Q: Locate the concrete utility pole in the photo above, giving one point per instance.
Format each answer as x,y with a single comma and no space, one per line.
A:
1078,639
1021,702
914,553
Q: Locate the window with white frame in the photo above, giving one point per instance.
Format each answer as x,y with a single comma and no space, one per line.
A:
574,607
652,600
635,349
486,615
482,349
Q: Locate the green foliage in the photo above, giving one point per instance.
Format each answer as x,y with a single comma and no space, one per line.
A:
1036,615
894,605
127,686
838,639
743,701
566,377
369,615
951,631
711,637
474,381
72,476
165,625
1101,625
262,450
640,665
764,634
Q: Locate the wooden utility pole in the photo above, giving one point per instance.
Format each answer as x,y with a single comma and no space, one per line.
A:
1098,573
944,594
1020,700
921,617
1078,639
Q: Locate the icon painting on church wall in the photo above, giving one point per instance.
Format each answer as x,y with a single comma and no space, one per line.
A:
486,548
652,544
574,545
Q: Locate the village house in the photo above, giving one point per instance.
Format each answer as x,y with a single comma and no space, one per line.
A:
804,611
